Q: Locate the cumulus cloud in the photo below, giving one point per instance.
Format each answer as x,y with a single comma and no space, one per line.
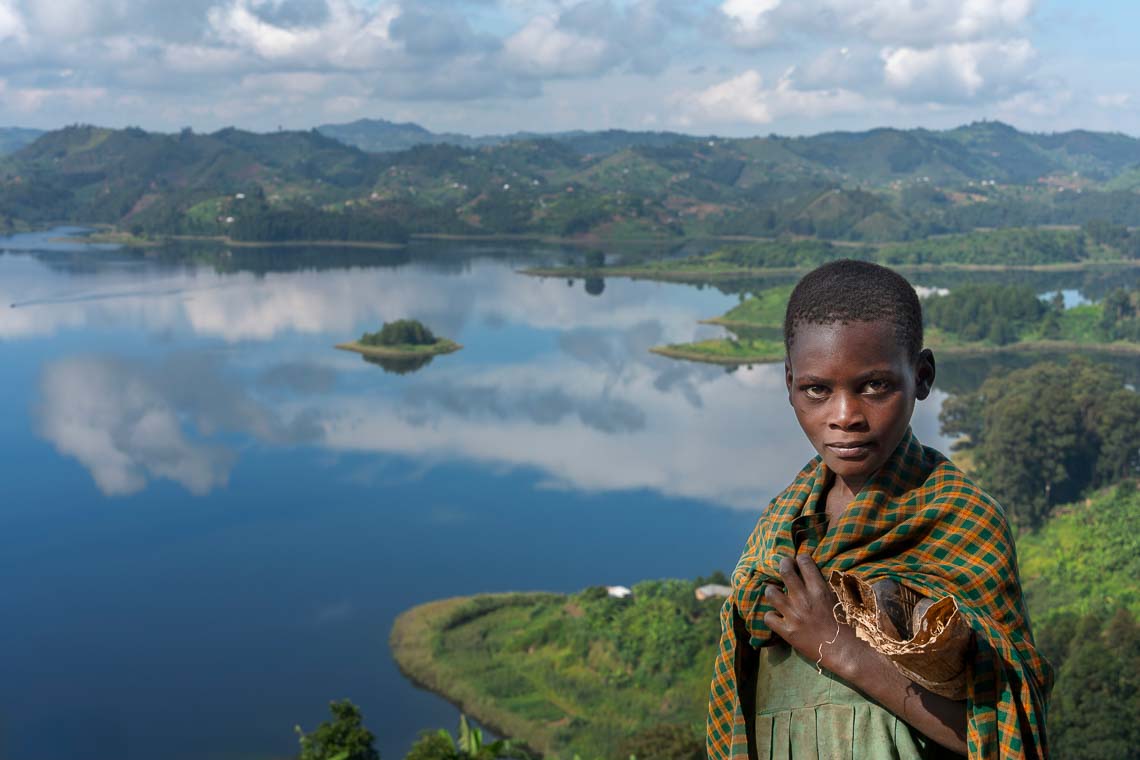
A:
758,23
746,98
750,23
960,72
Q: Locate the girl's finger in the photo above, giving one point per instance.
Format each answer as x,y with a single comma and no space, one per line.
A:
812,577
789,573
776,598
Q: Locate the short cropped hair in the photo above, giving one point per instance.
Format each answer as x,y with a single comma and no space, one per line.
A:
847,291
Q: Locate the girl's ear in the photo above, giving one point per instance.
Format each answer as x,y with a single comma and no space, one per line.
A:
788,377
924,372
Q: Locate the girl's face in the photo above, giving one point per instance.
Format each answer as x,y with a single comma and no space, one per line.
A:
853,389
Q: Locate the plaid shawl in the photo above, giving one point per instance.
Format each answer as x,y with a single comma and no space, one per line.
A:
921,522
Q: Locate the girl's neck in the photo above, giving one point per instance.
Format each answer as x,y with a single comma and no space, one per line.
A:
839,496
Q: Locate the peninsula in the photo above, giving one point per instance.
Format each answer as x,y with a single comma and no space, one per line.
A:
587,673
973,319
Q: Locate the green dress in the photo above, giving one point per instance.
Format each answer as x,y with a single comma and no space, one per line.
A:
803,715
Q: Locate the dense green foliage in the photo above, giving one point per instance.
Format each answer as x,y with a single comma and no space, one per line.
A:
402,332
1086,558
1011,246
664,742
996,313
467,745
342,738
308,223
1046,434
1079,575
1097,692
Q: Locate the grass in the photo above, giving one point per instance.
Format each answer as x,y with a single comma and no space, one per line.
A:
763,309
1086,556
441,346
725,351
568,675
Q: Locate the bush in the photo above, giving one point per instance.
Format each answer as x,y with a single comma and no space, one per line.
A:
402,332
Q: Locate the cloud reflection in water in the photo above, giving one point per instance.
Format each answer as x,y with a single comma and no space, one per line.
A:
588,406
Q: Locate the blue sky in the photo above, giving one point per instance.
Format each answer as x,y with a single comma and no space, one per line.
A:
731,67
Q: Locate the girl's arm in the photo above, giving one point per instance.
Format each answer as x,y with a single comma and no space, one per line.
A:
804,618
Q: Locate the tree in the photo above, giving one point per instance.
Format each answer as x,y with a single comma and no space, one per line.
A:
402,332
342,738
1117,307
668,742
1046,434
1097,694
468,745
595,259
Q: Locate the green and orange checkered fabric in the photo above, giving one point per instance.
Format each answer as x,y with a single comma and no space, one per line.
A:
923,523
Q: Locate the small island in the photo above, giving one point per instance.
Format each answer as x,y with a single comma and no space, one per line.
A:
407,344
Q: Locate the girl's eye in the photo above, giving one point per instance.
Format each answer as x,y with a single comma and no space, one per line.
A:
815,391
877,386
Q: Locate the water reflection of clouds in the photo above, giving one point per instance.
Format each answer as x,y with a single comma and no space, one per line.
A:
250,307
737,449
597,413
126,421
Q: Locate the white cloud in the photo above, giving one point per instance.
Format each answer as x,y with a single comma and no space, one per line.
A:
917,23
74,18
348,36
745,98
751,23
960,72
1114,100
543,48
12,25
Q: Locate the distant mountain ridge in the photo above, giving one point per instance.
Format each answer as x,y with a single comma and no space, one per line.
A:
14,138
970,151
878,185
381,136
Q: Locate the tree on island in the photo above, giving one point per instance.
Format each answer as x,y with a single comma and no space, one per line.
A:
342,738
402,332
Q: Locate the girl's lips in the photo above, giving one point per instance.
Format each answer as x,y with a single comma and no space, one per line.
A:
851,451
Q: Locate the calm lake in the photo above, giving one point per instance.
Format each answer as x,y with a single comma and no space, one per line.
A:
210,517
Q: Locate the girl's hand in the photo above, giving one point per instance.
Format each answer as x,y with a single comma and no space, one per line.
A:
804,616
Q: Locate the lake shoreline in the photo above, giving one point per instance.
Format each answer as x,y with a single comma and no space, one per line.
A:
440,347
1118,348
677,274
412,638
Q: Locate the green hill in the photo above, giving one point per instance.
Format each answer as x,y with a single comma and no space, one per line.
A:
876,186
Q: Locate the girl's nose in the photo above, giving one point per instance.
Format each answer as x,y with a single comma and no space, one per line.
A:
848,412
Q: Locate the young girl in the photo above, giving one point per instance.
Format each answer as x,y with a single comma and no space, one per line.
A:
791,680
